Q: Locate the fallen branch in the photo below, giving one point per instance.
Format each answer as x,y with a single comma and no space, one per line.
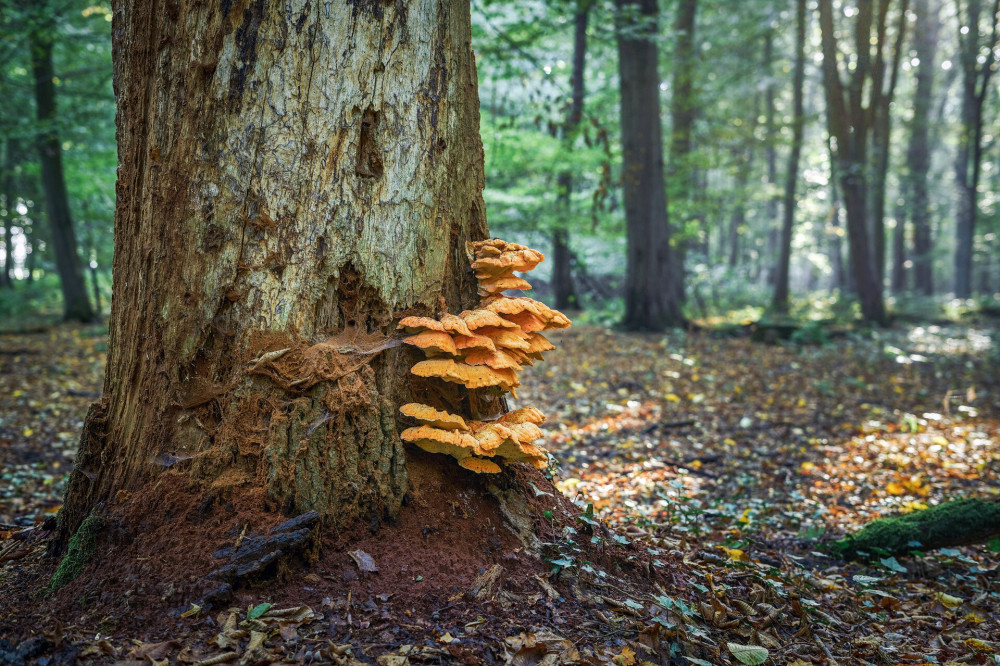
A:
957,523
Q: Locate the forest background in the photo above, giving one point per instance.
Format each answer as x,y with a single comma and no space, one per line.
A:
742,163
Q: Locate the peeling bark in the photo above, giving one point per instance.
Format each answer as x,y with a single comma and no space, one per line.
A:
293,177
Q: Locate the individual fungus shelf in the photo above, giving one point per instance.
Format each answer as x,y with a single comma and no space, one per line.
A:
484,347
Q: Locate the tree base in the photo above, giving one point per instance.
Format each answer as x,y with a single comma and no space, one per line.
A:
957,523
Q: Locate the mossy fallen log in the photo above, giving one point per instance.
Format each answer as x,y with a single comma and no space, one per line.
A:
958,523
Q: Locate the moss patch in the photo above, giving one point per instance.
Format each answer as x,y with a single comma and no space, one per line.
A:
79,552
955,523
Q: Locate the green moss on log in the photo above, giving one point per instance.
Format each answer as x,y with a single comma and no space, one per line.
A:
79,552
957,523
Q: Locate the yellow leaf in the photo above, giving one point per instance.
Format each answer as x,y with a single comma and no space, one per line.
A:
975,618
807,466
949,601
894,488
802,402
729,441
27,432
978,645
17,394
672,397
626,657
736,554
745,518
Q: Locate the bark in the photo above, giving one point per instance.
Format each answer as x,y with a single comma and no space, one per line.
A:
780,302
976,77
76,305
292,180
562,257
652,290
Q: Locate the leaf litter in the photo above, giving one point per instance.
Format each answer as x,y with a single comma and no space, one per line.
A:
722,467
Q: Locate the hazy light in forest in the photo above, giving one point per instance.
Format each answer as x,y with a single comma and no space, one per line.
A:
946,65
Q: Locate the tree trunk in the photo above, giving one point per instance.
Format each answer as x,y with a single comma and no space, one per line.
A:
10,204
771,153
290,183
652,294
780,303
562,256
918,153
851,124
76,305
897,277
968,163
681,177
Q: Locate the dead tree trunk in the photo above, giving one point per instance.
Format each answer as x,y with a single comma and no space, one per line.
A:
290,182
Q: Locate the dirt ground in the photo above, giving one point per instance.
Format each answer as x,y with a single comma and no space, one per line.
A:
702,478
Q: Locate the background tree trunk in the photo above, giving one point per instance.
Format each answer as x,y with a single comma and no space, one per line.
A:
76,305
780,302
562,274
681,173
918,155
652,299
852,124
291,182
10,204
968,162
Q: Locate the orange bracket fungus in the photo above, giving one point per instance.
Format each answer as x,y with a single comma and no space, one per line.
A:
485,347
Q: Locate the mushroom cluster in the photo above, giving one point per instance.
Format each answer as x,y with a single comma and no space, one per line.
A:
479,348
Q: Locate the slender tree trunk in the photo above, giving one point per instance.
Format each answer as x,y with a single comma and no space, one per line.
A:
76,305
771,153
682,176
282,199
882,94
897,276
968,163
10,204
780,303
652,293
562,274
918,153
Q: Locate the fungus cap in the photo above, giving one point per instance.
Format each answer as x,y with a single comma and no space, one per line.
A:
433,342
488,287
527,414
476,319
470,376
480,465
436,418
497,360
435,440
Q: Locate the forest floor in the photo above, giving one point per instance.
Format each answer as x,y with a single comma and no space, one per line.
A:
725,466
